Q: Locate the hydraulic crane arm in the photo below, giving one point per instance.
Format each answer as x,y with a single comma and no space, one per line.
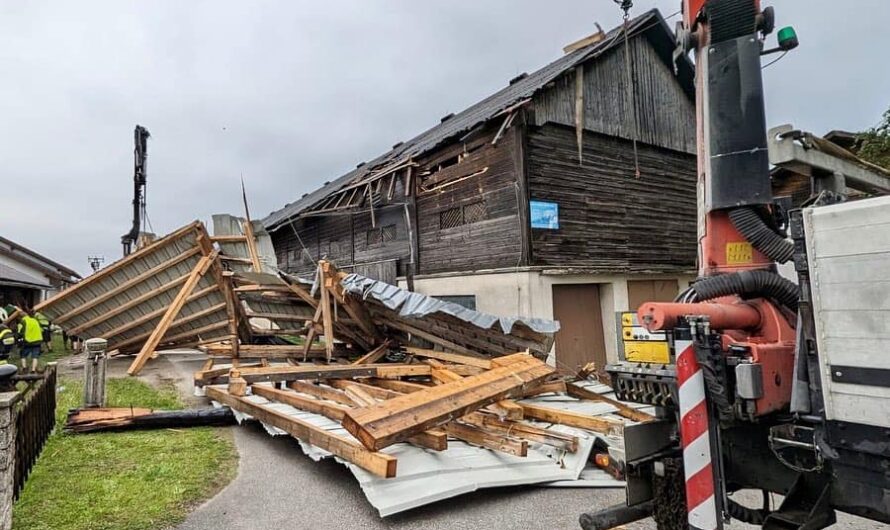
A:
140,153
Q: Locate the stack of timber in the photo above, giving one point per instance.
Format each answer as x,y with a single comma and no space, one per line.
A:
436,425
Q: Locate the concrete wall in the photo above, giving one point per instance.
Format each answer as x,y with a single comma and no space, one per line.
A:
530,294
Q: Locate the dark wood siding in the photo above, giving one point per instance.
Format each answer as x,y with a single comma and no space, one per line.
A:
380,250
609,219
665,113
468,216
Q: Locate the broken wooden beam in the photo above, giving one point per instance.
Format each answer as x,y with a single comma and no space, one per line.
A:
127,419
292,373
390,421
572,419
621,409
379,464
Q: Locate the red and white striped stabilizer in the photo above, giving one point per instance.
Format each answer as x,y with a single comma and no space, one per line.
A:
701,500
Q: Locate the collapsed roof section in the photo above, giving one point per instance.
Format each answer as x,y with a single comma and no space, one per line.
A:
190,289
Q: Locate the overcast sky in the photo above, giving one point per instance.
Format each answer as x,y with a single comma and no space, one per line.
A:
291,94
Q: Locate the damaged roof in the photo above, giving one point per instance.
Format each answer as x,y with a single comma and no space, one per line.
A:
651,24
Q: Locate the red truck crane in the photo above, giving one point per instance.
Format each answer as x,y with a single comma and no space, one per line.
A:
767,384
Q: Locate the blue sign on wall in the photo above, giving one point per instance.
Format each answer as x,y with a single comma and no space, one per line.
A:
544,214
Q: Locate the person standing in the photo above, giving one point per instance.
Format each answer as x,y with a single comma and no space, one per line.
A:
7,341
31,337
46,329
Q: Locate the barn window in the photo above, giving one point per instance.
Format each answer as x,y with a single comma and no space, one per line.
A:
474,212
387,233
450,218
380,235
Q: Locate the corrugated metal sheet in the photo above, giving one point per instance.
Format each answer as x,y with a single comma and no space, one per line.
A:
651,24
124,302
416,305
426,476
230,225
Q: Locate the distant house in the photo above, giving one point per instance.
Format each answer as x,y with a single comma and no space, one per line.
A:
27,277
493,208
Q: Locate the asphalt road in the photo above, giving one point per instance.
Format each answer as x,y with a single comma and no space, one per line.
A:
278,487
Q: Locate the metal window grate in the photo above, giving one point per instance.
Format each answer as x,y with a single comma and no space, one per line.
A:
474,212
387,233
450,218
374,237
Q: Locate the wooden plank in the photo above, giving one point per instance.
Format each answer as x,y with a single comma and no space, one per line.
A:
310,336
503,408
251,245
207,375
572,419
455,358
374,355
333,411
390,421
228,239
405,387
553,387
477,436
379,464
321,392
326,311
292,373
172,311
622,409
523,431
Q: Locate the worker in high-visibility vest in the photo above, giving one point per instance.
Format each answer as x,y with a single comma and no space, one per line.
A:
46,329
7,341
31,337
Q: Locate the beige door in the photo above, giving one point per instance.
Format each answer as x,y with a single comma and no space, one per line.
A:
580,338
642,291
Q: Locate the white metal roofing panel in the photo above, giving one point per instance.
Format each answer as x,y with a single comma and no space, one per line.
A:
425,476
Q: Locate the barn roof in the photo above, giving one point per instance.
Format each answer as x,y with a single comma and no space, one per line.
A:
650,24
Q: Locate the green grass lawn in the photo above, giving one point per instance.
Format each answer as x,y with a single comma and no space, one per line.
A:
131,480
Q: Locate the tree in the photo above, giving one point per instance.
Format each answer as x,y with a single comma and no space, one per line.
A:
876,143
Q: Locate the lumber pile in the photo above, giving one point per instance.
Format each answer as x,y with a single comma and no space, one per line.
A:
429,400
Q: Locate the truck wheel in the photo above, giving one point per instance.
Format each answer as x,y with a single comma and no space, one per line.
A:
670,497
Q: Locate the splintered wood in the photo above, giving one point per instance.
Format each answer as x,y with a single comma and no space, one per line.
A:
391,421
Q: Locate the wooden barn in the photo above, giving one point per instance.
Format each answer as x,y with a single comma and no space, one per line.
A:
568,194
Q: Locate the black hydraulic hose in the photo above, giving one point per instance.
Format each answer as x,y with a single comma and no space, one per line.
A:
749,223
748,284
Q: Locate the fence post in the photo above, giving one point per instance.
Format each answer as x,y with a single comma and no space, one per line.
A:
7,457
94,373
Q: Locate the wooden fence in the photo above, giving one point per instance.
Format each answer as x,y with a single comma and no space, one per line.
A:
35,418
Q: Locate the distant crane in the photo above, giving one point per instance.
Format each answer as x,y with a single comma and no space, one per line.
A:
140,153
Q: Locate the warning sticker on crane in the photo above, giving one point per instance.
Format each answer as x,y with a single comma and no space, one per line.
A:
739,253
